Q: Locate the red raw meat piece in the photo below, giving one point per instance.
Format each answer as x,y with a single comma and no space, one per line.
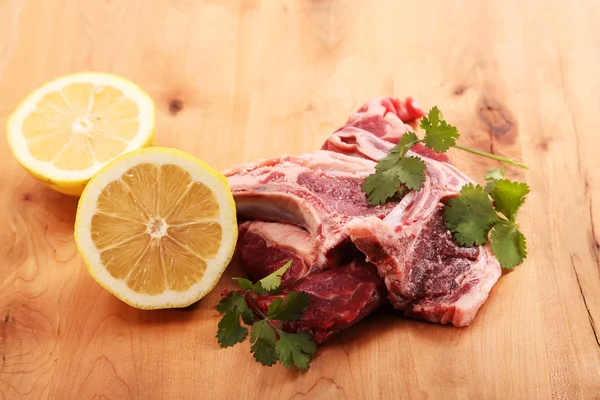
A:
338,298
265,247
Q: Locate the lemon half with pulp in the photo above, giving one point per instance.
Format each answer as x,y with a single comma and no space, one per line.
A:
69,128
157,227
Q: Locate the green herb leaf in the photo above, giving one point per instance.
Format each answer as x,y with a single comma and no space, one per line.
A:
295,349
226,303
397,152
439,135
230,330
508,244
268,341
470,216
407,140
258,289
262,338
236,302
508,196
273,281
381,186
494,174
244,283
388,162
410,172
289,310
391,175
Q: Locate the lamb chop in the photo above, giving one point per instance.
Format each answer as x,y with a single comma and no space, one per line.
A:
457,280
320,192
428,275
338,297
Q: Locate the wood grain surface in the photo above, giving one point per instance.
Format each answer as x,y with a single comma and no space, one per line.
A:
235,81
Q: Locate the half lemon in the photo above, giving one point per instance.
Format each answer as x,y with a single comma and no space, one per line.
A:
68,129
157,228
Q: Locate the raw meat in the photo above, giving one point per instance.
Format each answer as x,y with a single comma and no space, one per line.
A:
427,274
431,277
386,118
359,143
320,192
265,247
338,298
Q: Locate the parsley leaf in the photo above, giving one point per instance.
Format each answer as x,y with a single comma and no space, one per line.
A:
508,196
396,173
508,244
273,281
381,186
289,310
391,174
410,171
236,302
494,174
439,135
244,283
229,330
295,349
407,140
470,215
268,341
262,338
388,162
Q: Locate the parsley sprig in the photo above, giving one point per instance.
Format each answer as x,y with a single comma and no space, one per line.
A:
269,342
470,216
395,174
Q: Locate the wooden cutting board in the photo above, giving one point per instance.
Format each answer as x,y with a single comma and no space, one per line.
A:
236,81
